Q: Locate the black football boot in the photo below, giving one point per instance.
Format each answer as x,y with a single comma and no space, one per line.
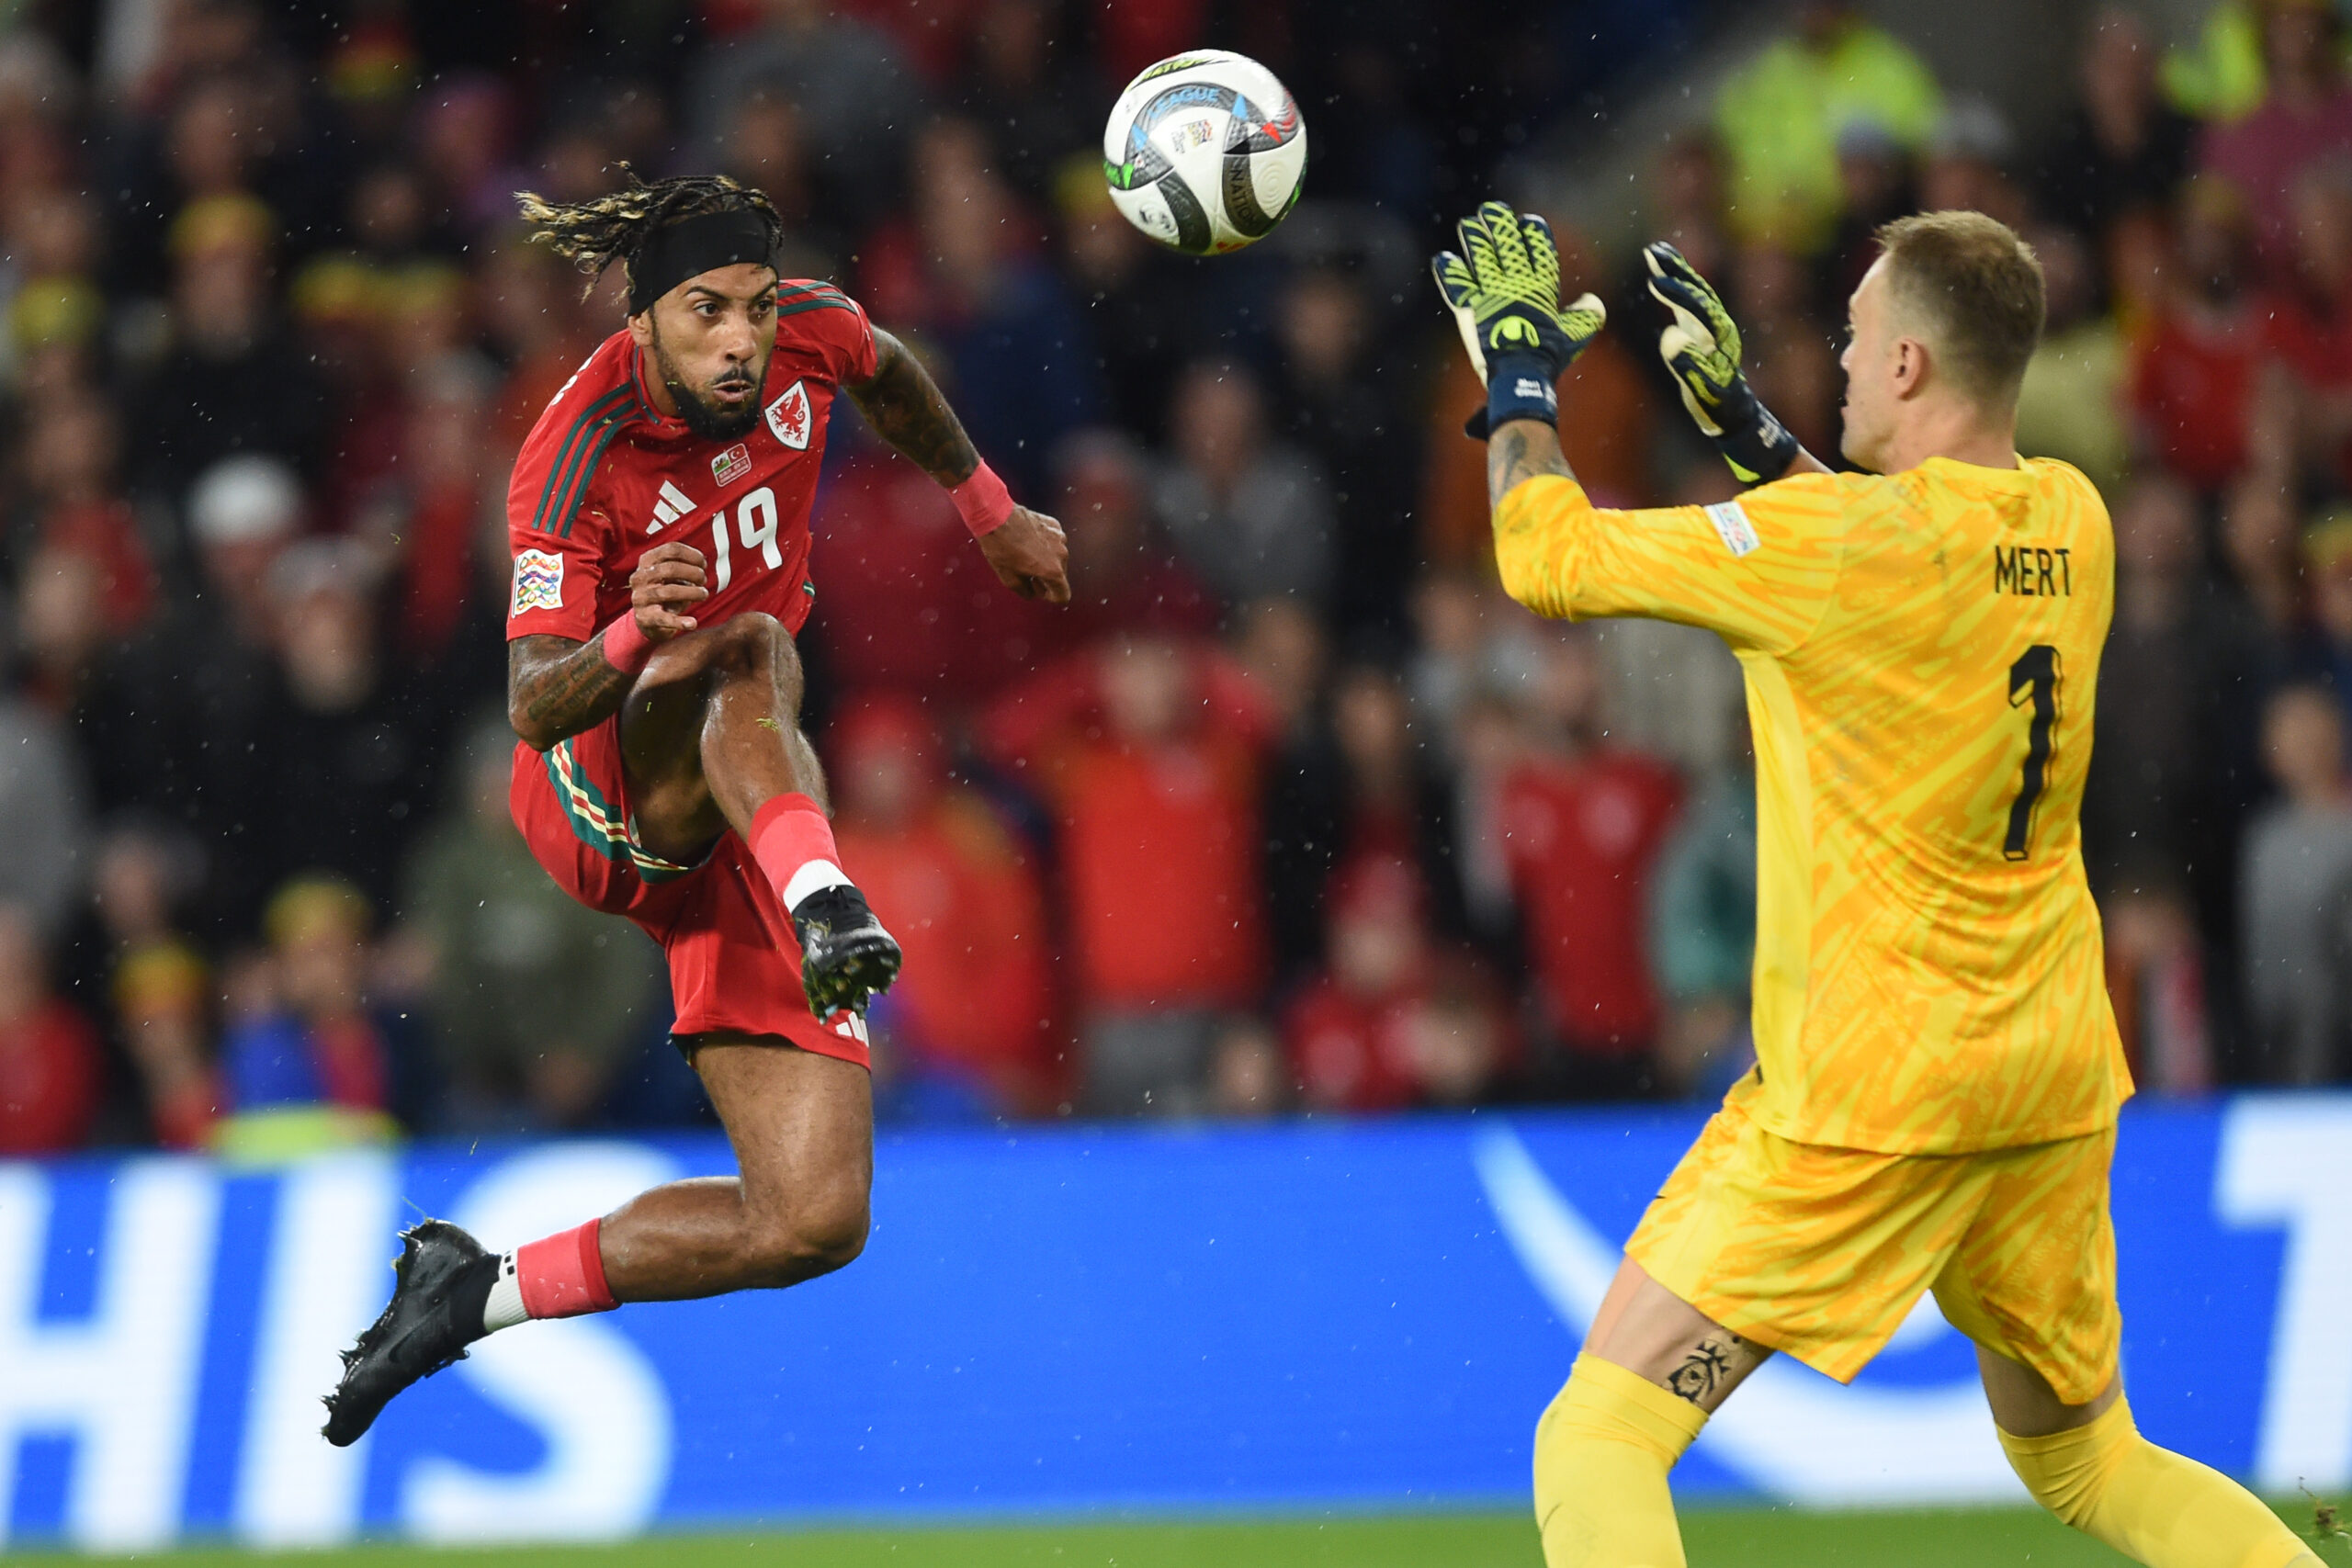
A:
442,1283
846,958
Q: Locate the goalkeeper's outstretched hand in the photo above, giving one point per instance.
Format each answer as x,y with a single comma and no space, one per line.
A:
1700,344
1503,288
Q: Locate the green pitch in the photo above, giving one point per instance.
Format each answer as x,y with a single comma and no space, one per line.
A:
1717,1538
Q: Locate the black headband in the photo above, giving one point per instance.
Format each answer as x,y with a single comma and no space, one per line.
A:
676,252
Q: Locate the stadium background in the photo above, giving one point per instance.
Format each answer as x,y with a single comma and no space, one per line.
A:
1289,815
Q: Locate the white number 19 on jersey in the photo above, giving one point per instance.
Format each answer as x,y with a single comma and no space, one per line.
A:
756,524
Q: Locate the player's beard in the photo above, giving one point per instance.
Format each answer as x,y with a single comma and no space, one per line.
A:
711,420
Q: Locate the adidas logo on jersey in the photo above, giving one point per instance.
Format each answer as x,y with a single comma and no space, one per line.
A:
674,504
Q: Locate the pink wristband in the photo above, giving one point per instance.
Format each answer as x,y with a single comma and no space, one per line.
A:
625,647
982,502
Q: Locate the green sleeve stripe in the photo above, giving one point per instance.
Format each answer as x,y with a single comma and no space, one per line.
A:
551,514
815,302
542,520
586,469
564,454
815,297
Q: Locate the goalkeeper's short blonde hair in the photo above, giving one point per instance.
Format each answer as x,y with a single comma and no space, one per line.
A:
1974,290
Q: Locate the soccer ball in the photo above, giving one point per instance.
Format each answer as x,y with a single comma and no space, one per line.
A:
1204,152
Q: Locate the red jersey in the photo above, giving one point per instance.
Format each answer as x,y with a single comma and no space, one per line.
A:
50,1080
966,904
1579,838
1354,1053
603,478
1159,869
2192,382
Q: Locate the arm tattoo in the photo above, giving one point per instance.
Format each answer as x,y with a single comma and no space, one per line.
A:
905,408
556,687
1521,450
1706,1368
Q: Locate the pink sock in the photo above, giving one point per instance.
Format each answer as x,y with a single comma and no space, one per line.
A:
793,844
563,1275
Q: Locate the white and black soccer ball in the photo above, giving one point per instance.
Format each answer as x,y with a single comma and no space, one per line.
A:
1204,152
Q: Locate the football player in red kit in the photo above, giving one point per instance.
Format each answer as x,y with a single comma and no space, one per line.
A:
658,517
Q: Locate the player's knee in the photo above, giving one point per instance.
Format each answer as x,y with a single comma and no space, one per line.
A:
833,1237
2071,1503
824,1238
823,1231
2068,1472
754,642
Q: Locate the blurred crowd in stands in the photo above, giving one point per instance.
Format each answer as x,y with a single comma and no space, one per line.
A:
1289,810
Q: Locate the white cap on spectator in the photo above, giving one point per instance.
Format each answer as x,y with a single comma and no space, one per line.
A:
243,501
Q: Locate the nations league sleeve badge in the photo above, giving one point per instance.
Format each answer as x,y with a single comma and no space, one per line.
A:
538,581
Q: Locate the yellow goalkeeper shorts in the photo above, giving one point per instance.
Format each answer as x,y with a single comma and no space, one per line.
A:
1821,1252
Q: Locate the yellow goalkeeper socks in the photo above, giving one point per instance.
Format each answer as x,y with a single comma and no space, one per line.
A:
2149,1503
1602,1454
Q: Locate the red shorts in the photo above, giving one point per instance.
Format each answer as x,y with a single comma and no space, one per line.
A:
734,961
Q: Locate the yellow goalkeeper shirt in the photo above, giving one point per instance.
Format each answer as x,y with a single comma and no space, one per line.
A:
1921,652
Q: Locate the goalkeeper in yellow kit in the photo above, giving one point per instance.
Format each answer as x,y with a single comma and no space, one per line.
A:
1937,1070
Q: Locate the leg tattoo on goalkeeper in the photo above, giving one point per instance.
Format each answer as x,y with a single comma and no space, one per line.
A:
1707,1367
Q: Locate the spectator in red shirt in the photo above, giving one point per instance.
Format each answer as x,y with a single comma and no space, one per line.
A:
49,1066
1148,753
888,542
428,515
1124,573
931,619
1582,822
1394,1021
79,507
1349,1031
2193,373
964,899
2309,321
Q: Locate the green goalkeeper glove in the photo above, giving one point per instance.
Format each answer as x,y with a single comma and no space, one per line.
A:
1504,290
1701,346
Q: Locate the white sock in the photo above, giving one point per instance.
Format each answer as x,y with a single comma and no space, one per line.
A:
504,1308
813,877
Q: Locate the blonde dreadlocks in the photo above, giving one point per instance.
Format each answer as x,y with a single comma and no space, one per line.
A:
593,234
